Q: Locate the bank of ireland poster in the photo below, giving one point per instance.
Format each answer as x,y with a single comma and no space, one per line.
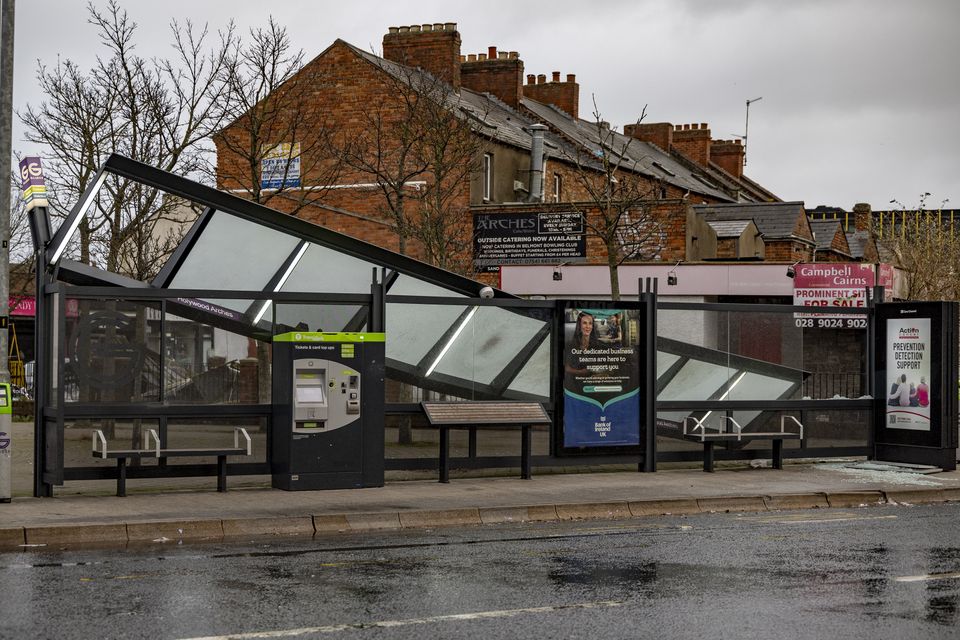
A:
601,388
908,374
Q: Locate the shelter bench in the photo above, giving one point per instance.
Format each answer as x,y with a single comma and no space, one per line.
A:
481,414
699,433
122,455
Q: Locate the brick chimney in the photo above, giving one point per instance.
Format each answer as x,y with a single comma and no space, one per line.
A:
728,154
432,47
862,216
563,95
658,133
693,141
497,73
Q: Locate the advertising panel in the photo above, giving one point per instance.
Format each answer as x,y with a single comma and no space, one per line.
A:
909,347
601,377
527,238
280,167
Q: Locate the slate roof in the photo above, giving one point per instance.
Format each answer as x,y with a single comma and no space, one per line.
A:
775,220
570,138
857,241
824,232
729,228
489,116
647,158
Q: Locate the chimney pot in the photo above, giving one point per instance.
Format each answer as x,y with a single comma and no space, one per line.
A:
686,127
541,78
481,57
571,77
472,57
438,26
492,53
450,26
503,55
463,58
531,79
414,28
514,55
556,76
403,29
426,27
703,125
394,29
695,126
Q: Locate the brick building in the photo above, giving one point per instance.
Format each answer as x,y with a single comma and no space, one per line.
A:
359,96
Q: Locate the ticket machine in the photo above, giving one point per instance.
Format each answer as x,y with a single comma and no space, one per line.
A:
327,410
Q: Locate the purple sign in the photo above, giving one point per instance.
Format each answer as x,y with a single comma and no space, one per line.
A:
31,182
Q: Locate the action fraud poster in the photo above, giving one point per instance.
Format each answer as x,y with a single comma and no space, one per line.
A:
601,389
908,374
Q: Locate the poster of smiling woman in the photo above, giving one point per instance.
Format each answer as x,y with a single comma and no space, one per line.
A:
601,386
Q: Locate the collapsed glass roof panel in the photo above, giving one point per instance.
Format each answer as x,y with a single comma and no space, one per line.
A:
754,386
665,361
696,380
233,254
534,377
490,339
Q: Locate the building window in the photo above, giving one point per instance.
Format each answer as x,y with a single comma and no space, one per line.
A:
557,187
487,177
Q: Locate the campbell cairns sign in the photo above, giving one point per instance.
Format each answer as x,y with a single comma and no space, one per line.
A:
826,284
527,238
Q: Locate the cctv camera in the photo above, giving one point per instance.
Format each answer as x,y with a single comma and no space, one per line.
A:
791,272
486,293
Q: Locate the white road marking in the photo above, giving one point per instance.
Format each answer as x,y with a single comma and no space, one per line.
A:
826,520
385,624
930,576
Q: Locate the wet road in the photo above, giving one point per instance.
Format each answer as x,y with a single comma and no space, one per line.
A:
883,572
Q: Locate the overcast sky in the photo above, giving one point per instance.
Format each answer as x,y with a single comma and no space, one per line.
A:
860,97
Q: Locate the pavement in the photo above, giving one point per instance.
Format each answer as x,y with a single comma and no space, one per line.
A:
165,517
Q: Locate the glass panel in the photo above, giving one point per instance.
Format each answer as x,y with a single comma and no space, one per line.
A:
696,380
233,254
112,352
534,378
753,386
208,363
412,330
665,361
410,286
120,433
320,317
324,270
491,338
214,433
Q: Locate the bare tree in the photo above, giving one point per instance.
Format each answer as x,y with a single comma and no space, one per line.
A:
451,150
617,207
276,146
420,148
925,244
156,111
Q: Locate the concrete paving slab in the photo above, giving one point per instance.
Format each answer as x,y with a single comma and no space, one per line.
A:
174,530
788,501
536,513
731,504
333,523
679,506
593,511
288,526
77,535
847,499
11,538
440,518
918,496
373,521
